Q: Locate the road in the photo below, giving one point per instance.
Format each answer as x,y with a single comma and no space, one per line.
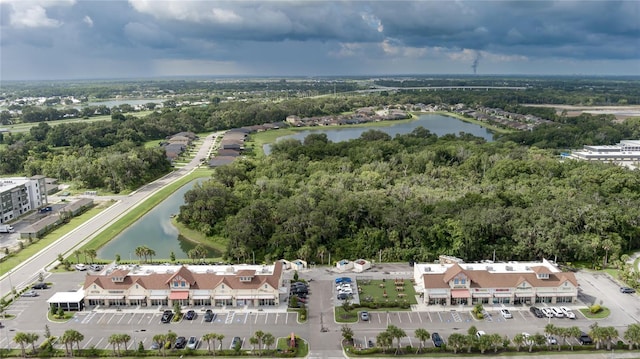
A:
27,271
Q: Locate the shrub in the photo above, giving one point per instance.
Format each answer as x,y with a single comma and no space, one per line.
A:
595,308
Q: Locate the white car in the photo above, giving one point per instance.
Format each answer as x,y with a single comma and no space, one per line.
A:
506,314
557,312
81,266
527,338
480,333
568,313
551,339
548,312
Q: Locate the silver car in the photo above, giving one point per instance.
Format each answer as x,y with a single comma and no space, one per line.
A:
192,343
30,293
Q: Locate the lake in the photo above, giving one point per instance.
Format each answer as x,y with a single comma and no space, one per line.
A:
155,231
438,124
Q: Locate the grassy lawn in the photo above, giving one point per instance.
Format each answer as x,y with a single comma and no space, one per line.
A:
51,237
604,313
376,289
342,317
136,213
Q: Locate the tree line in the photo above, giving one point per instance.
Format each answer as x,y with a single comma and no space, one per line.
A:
414,197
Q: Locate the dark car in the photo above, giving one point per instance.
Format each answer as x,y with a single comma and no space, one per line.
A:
236,341
166,316
437,340
370,343
209,315
537,312
191,315
627,290
585,339
41,285
181,342
343,296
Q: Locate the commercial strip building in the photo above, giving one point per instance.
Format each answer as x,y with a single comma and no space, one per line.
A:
21,195
188,285
450,281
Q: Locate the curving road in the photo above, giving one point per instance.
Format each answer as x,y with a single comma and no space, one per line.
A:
25,273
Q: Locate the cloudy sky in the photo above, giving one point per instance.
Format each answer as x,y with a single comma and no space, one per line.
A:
80,39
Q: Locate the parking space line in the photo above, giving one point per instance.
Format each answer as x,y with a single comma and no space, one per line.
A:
102,316
419,317
522,315
122,317
409,315
429,315
151,319
440,315
86,344
266,317
256,321
110,319
399,318
286,319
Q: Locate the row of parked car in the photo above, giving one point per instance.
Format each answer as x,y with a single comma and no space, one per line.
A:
180,343
300,290
553,312
344,288
167,316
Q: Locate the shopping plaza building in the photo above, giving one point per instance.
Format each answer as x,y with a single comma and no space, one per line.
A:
188,285
450,281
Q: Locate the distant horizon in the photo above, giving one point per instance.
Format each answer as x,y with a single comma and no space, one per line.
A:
311,77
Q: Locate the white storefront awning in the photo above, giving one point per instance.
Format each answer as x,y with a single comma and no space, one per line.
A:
502,295
67,297
265,297
221,297
481,295
245,297
201,297
137,297
158,297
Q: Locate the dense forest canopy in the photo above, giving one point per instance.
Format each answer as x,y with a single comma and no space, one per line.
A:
417,196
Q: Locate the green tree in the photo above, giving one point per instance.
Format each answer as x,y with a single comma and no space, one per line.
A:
209,337
632,335
220,338
346,308
91,253
396,333
484,343
161,339
67,339
496,341
114,340
268,339
609,334
423,336
171,337
254,342
347,333
537,340
519,340
597,334
384,340
125,338
177,309
457,341
573,332
259,335
22,339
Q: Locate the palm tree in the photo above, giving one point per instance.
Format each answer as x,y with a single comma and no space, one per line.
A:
347,333
139,251
321,250
496,340
77,253
124,338
484,343
268,339
114,340
610,333
208,338
33,338
537,340
73,336
396,333
259,335
22,339
253,341
150,252
519,340
171,337
423,336
346,307
384,340
573,332
632,335
596,334
220,338
457,341
161,339
67,340
550,330
91,253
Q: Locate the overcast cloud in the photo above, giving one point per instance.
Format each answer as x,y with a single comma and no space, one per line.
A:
62,39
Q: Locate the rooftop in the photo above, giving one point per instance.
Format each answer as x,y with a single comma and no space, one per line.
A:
491,267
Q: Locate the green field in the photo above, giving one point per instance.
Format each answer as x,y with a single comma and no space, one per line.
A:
376,290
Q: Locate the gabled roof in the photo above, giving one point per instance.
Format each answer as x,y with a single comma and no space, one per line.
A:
453,271
184,273
541,270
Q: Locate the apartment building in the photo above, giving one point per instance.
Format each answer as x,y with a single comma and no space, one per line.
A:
20,195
